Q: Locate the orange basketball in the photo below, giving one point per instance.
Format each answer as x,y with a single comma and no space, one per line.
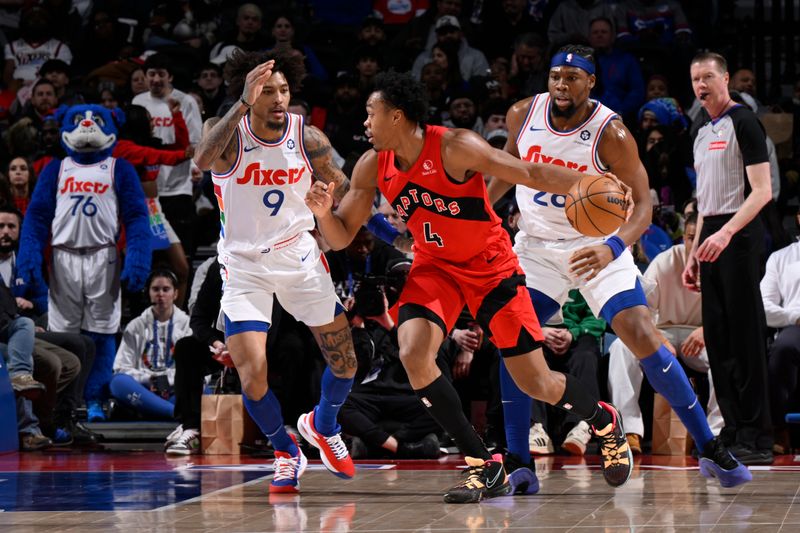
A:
596,206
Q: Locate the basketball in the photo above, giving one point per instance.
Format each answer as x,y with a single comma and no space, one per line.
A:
596,206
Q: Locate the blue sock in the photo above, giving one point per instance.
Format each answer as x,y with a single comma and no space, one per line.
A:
334,393
103,366
516,414
266,413
135,395
674,386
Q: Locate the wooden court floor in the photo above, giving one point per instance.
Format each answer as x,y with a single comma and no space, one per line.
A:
144,492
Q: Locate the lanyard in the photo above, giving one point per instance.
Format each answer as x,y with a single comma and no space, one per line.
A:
350,282
168,350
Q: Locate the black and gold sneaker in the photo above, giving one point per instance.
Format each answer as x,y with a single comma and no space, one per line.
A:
616,455
482,479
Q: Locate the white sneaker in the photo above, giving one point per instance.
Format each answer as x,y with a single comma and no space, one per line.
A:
187,444
539,441
172,437
577,439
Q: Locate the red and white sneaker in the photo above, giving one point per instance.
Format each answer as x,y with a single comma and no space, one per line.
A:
288,470
332,450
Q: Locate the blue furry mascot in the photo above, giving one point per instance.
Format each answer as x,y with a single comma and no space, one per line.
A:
77,206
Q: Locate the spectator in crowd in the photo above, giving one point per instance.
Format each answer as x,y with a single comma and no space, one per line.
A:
657,87
573,348
35,45
247,36
420,34
105,40
493,115
57,72
528,67
447,58
743,81
22,180
463,113
652,22
137,82
284,38
471,61
620,86
780,289
368,64
502,21
147,154
42,103
174,181
733,184
571,20
144,369
212,90
434,81
344,122
49,145
372,34
677,313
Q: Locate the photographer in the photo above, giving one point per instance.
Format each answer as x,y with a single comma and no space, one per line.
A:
365,255
382,412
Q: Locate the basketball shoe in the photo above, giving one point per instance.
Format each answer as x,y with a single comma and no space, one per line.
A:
539,441
288,470
332,450
617,459
521,476
717,462
482,479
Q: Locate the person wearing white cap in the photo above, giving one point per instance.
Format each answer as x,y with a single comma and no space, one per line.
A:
449,35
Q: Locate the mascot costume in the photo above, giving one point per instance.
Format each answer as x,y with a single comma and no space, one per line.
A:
76,207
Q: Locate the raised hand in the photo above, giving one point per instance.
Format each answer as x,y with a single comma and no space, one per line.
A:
255,80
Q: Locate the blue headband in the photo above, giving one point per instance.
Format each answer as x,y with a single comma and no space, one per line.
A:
571,59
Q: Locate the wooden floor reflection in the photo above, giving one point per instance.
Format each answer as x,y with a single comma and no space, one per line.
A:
146,492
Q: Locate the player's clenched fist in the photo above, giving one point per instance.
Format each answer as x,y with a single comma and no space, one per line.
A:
319,198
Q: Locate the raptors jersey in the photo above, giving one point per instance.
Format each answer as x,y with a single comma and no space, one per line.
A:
543,212
262,197
87,208
449,220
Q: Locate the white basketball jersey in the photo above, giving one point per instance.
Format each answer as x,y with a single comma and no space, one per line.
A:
87,210
542,212
262,197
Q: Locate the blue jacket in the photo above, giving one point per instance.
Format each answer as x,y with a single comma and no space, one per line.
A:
623,88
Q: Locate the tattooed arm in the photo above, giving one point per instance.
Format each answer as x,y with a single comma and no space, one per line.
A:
217,149
320,153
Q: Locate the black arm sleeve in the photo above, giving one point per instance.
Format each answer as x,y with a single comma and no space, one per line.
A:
206,308
751,136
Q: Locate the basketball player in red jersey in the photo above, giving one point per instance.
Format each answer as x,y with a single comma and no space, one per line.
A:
433,178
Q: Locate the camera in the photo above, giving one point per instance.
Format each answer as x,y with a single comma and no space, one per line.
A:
369,295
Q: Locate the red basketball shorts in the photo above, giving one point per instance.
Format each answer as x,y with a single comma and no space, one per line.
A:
490,284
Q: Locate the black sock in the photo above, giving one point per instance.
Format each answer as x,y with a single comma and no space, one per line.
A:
577,400
442,403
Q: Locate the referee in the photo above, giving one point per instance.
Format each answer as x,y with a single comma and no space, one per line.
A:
733,184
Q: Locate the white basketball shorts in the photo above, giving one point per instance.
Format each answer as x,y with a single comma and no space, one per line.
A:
295,272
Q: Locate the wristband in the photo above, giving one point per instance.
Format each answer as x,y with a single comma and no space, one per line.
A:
382,229
616,244
242,100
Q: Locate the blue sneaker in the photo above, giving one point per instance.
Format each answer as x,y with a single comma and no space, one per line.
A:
288,470
717,462
62,437
521,476
94,411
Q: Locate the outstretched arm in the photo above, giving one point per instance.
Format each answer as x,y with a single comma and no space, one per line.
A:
355,207
466,152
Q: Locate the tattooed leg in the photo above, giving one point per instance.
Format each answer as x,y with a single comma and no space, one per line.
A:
336,343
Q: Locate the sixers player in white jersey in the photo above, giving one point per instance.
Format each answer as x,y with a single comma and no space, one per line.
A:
262,161
564,127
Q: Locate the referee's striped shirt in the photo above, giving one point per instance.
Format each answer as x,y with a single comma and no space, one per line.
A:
722,149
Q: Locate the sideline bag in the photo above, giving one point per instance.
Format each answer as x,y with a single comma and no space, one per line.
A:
669,435
225,424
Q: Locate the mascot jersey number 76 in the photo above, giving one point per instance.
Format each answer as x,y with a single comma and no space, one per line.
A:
76,207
